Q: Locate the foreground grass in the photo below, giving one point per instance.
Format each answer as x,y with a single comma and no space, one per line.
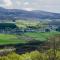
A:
34,55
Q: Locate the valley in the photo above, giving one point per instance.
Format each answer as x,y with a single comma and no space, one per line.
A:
31,34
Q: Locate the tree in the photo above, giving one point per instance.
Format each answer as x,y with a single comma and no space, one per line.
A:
54,45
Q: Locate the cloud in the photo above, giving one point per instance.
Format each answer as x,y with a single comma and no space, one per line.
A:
8,3
26,3
17,2
47,5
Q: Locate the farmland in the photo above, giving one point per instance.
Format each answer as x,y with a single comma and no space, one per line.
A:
37,40
13,39
41,36
10,39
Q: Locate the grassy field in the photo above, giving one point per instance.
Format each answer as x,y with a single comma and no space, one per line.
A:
13,39
42,36
10,39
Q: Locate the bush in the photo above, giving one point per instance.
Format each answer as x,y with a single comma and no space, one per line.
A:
34,55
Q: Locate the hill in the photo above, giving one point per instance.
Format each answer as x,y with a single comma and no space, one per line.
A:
14,14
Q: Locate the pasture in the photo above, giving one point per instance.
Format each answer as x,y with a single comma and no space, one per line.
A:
15,39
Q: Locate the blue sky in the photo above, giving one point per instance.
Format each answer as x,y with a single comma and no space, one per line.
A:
46,5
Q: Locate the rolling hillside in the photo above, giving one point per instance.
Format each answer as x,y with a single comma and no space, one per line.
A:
14,14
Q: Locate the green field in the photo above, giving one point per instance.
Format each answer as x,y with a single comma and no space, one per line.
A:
10,39
42,36
13,39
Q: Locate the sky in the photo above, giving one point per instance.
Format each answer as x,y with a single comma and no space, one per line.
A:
29,5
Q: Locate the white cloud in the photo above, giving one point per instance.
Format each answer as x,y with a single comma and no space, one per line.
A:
47,5
26,3
18,2
8,3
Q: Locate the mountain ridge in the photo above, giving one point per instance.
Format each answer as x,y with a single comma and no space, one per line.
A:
15,14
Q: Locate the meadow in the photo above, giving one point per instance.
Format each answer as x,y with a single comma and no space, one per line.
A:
17,39
36,45
41,36
10,39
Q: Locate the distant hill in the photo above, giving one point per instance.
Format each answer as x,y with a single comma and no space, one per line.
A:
13,14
